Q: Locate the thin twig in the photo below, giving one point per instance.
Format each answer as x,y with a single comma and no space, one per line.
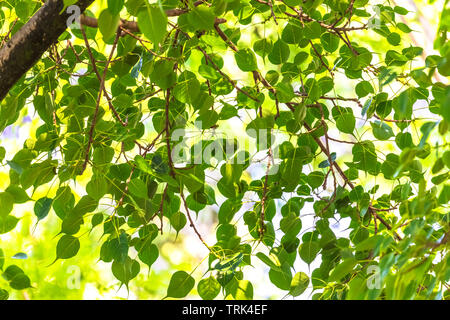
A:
191,222
100,93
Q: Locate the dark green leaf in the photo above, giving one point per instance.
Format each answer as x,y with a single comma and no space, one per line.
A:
180,285
67,247
208,288
153,23
42,207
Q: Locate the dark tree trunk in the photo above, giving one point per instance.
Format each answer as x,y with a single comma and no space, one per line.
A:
28,44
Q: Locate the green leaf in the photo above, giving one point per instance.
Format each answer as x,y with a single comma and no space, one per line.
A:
342,269
329,41
20,256
404,140
67,247
381,130
291,225
365,157
315,179
403,27
96,219
22,9
180,285
262,47
246,60
178,221
142,164
426,129
390,166
279,53
6,203
272,261
285,92
325,163
207,119
300,113
227,211
312,30
103,155
19,195
43,108
148,254
85,205
152,22
187,88
97,187
400,10
446,158
283,278
4,295
11,272
138,188
115,6
394,38
363,88
63,202
345,122
299,284
125,271
231,172
208,288
208,72
440,178
163,75
308,251
230,263
240,289
369,243
290,173
120,247
108,24
201,18
227,112
394,58
42,207
292,32
18,280
7,223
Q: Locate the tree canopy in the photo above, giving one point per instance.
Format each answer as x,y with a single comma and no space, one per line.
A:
307,130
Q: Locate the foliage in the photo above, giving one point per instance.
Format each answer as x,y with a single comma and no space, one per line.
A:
118,101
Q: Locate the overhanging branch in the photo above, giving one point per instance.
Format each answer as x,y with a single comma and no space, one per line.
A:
28,44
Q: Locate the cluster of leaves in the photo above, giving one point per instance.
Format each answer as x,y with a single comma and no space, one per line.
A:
109,116
15,276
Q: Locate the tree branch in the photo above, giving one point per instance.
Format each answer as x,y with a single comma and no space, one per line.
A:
100,92
28,44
